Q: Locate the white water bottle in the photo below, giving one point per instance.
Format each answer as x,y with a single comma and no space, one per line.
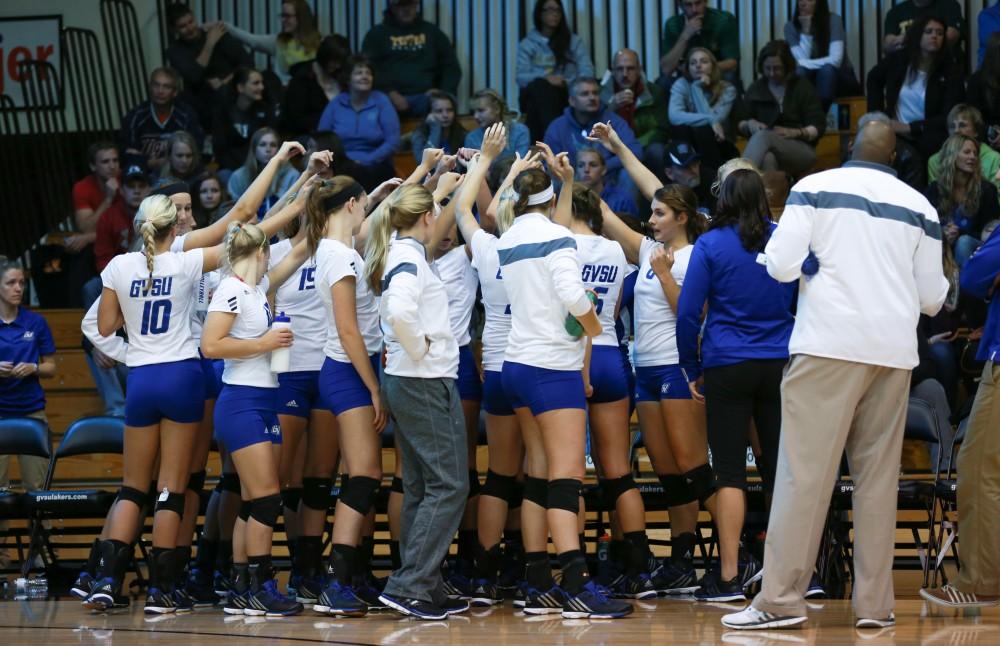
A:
281,357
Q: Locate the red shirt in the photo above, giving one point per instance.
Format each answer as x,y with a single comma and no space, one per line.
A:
88,194
627,112
114,233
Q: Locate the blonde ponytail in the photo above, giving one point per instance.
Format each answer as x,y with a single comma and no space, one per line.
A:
505,210
154,220
242,240
400,211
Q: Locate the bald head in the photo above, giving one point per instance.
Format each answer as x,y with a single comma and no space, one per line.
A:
625,68
875,143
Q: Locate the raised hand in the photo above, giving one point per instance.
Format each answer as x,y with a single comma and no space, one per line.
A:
290,149
494,141
604,134
320,161
430,157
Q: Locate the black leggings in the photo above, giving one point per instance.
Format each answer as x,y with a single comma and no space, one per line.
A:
734,395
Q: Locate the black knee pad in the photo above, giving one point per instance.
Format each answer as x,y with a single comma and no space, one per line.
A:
140,498
229,482
244,513
475,488
290,497
536,490
360,493
498,486
676,491
564,493
196,482
397,485
612,489
316,493
266,510
170,501
702,482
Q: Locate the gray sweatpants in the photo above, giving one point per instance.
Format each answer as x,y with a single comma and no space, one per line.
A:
773,152
430,435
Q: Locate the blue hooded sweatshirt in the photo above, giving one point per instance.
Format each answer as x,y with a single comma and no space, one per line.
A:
977,278
566,134
370,135
749,313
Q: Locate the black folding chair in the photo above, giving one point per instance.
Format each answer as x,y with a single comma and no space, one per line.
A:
21,436
943,533
85,436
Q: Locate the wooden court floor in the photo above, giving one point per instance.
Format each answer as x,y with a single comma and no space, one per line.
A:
668,622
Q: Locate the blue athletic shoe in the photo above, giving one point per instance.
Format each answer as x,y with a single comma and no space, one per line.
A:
340,600
549,602
269,602
593,602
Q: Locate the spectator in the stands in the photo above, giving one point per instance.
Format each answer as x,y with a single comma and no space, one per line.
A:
183,160
643,105
590,170
264,145
964,119
440,128
782,114
917,86
964,200
411,57
27,353
314,86
817,39
701,103
682,165
209,195
698,25
488,107
244,110
549,59
989,24
115,232
908,13
95,193
983,90
205,57
295,44
570,132
366,123
146,128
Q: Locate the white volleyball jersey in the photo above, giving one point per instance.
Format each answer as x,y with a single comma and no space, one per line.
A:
542,274
603,268
158,319
655,320
496,328
202,292
253,319
298,299
455,271
334,262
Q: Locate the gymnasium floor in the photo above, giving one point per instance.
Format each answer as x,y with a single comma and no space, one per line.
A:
668,622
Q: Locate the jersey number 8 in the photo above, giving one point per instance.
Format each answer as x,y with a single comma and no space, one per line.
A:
155,317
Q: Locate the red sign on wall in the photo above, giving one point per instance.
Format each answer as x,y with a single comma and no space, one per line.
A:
28,38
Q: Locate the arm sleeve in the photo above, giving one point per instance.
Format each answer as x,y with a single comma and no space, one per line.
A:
109,275
451,71
671,32
420,140
954,92
227,298
520,139
526,71
812,108
875,90
928,273
403,313
789,244
46,344
104,243
338,267
584,66
982,269
689,307
724,106
989,23
679,116
564,267
267,43
327,120
114,346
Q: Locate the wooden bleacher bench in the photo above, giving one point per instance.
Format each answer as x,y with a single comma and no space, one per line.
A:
71,394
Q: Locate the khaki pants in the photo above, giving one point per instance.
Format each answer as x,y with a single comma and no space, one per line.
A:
828,406
979,490
33,469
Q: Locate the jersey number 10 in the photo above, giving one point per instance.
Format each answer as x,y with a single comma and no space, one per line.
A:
155,317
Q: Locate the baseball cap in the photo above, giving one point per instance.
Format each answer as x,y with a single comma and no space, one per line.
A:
680,154
135,168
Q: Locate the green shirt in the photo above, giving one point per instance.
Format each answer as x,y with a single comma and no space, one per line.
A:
719,34
989,161
900,17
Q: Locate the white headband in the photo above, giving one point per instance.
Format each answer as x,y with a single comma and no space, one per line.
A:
541,197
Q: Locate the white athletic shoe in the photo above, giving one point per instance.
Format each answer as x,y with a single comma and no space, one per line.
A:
752,619
888,622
